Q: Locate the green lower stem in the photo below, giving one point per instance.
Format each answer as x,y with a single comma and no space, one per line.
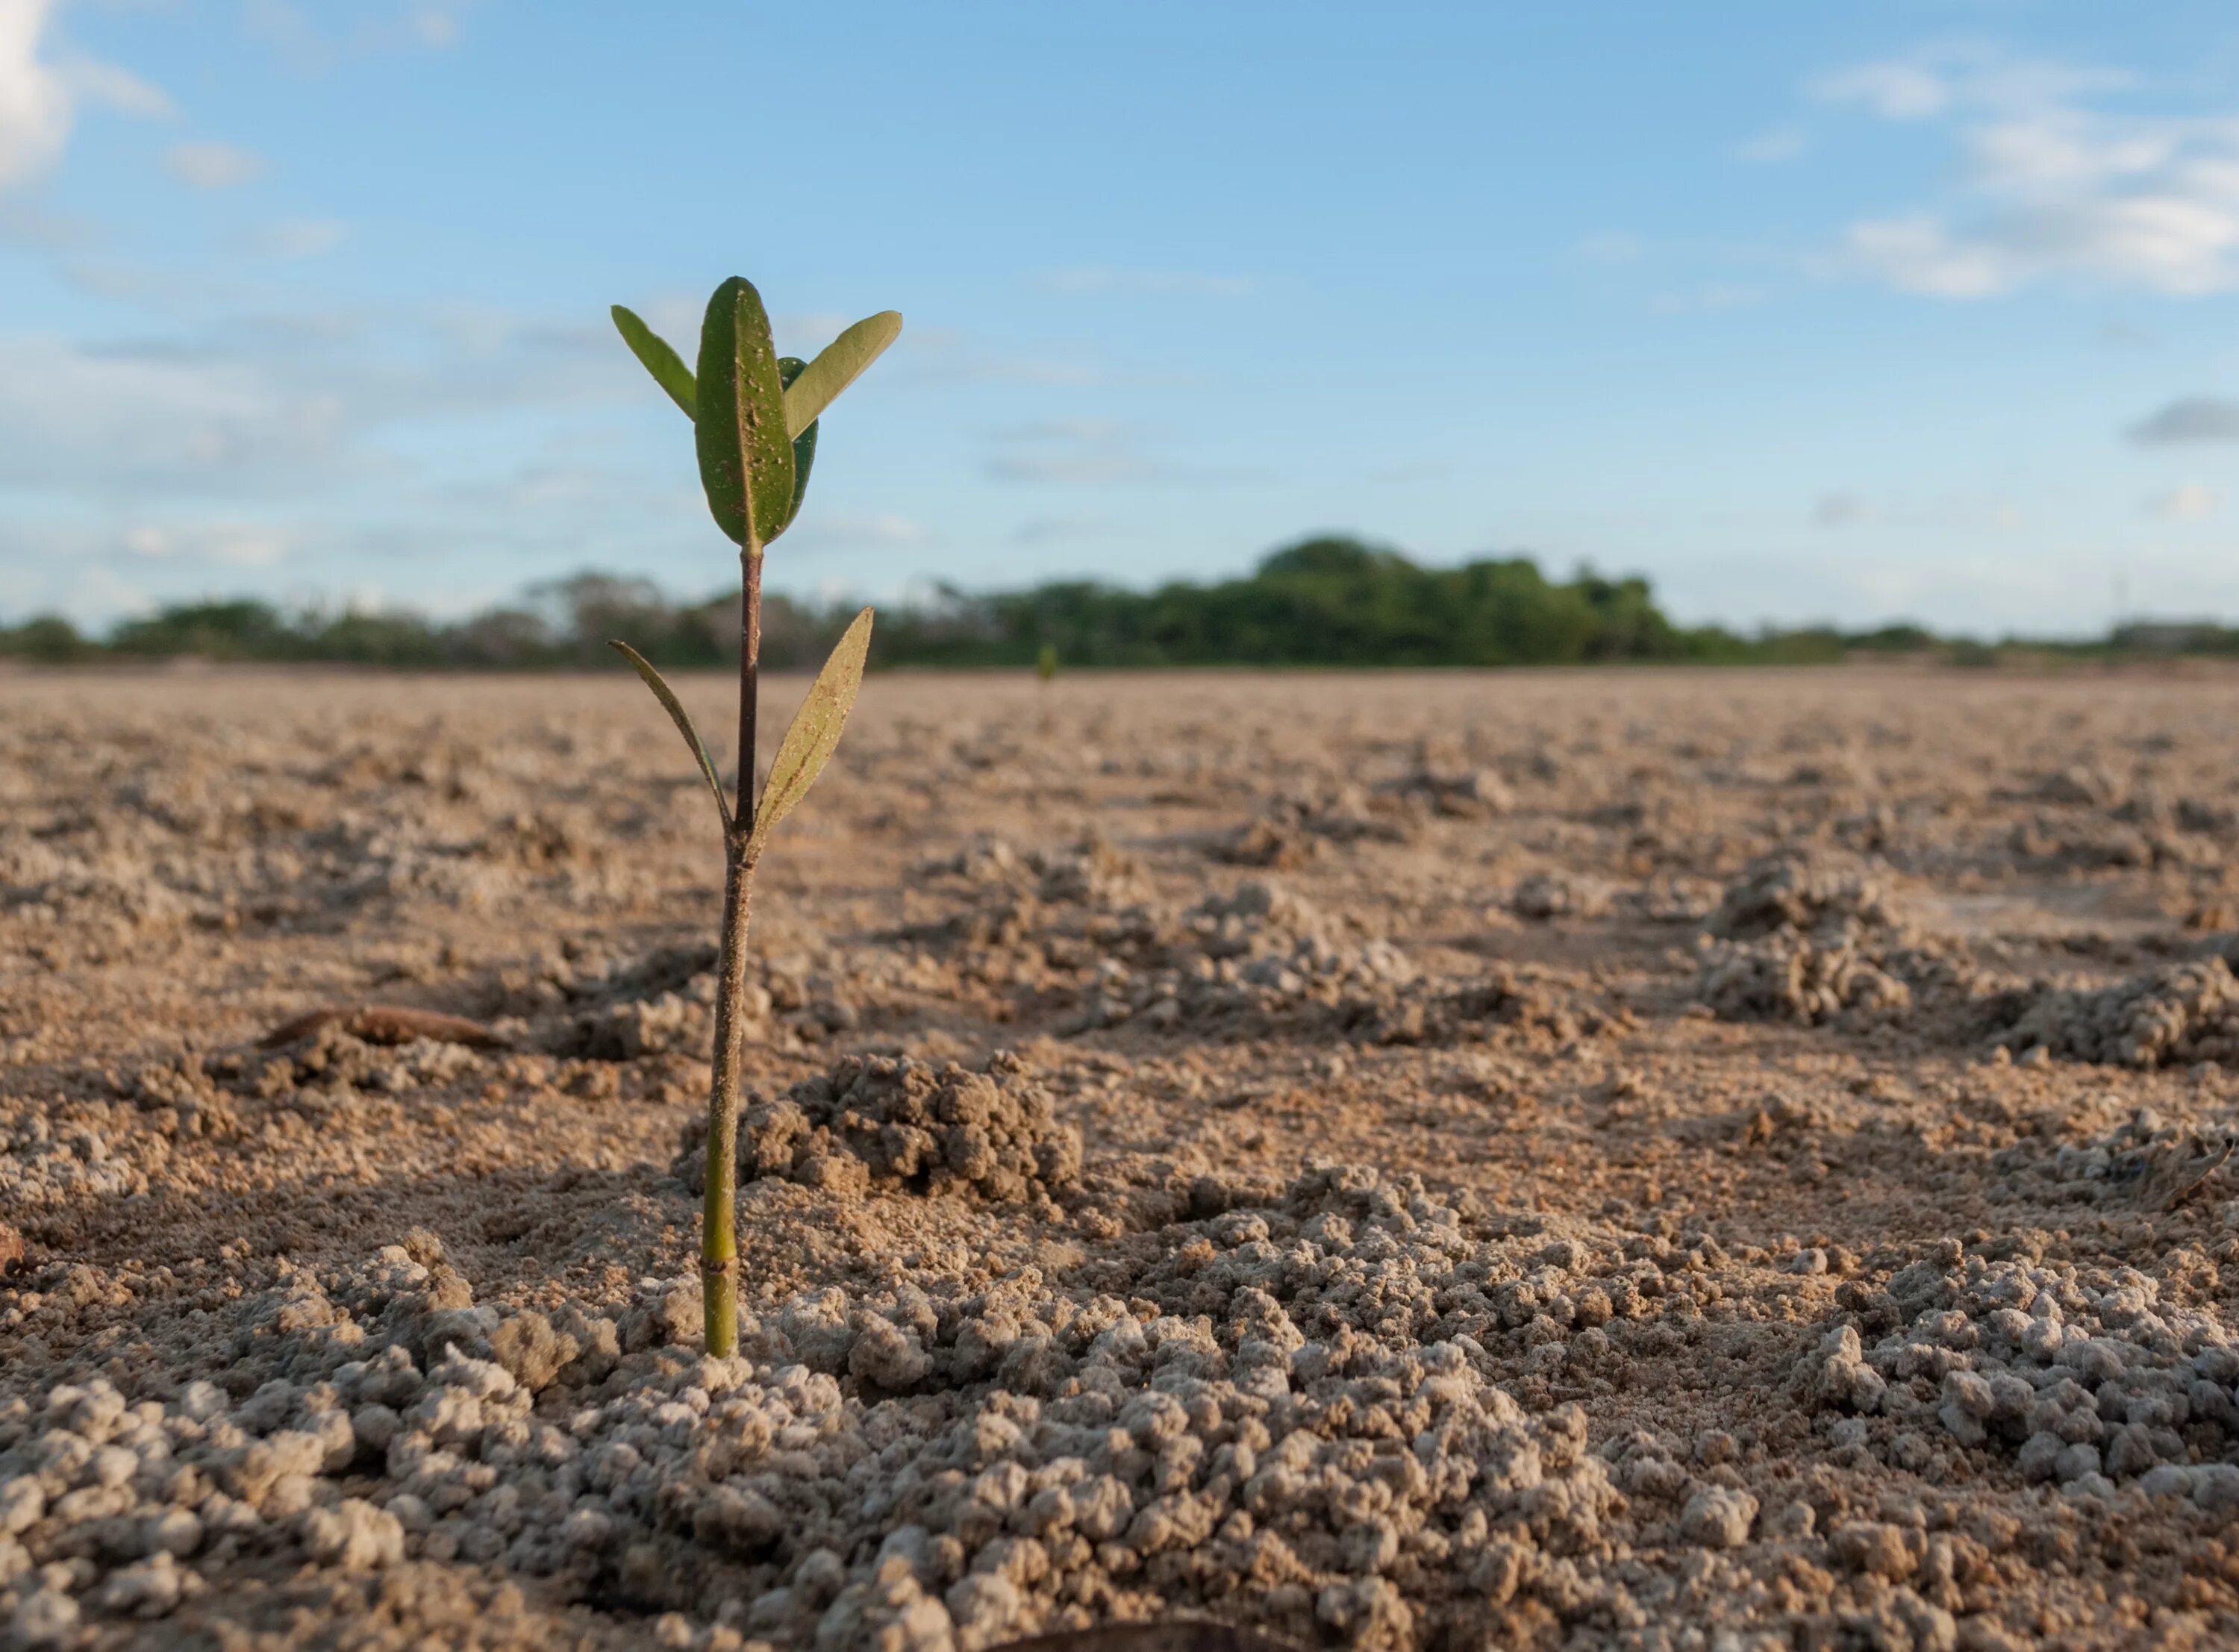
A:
719,1238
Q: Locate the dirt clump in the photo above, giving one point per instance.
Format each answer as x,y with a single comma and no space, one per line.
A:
893,1122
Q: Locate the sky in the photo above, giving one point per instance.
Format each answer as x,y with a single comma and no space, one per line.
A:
1922,309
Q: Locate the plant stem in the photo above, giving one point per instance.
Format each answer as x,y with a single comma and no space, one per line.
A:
719,1239
750,666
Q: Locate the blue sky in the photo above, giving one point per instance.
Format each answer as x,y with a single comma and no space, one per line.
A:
1924,307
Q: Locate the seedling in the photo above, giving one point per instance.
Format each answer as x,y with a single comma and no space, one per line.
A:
754,418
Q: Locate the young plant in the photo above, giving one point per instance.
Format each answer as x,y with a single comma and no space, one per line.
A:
754,418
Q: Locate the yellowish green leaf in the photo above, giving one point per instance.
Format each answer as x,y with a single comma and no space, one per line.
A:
814,732
839,365
665,364
677,715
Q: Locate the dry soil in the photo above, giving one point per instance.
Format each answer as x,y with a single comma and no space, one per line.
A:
1452,1161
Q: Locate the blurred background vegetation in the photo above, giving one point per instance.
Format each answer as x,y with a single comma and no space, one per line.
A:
1325,601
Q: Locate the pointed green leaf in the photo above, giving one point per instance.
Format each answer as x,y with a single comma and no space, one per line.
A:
839,365
814,733
666,365
674,707
790,367
746,452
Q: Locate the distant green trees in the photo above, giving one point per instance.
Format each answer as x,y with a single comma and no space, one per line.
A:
1325,601
1329,601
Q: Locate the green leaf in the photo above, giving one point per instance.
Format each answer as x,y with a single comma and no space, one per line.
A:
746,452
666,365
839,365
790,367
814,733
674,707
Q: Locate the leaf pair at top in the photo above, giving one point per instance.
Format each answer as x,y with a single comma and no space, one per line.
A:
753,413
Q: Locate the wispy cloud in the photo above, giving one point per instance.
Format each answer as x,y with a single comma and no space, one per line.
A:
944,355
1052,530
1710,298
310,47
1774,145
2049,185
2190,501
259,407
1976,515
212,165
1092,453
118,89
212,544
293,238
859,530
1840,508
1102,279
2189,418
1076,461
1896,91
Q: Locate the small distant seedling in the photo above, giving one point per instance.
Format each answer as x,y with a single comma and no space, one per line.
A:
755,417
1046,665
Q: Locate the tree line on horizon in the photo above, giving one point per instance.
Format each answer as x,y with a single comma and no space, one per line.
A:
1329,602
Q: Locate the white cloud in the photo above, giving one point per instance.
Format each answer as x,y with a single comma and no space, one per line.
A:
39,94
79,419
295,238
308,49
211,164
1151,281
2049,187
35,100
2190,501
1918,254
260,406
117,88
1896,91
1775,145
216,544
1091,452
436,25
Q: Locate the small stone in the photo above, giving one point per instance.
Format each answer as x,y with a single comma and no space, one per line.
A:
355,1536
2077,1461
148,1589
46,1617
22,1500
1718,1517
888,1356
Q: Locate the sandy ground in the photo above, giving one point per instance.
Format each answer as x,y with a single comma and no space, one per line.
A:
1635,1160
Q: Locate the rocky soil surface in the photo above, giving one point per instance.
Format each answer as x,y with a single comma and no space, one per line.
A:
1661,1161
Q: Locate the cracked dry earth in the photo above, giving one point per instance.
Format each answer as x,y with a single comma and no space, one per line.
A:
1638,1159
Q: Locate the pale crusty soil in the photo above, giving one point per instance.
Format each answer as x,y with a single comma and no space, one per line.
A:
1659,1160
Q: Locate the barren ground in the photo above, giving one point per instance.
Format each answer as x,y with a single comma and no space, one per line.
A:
1636,1159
